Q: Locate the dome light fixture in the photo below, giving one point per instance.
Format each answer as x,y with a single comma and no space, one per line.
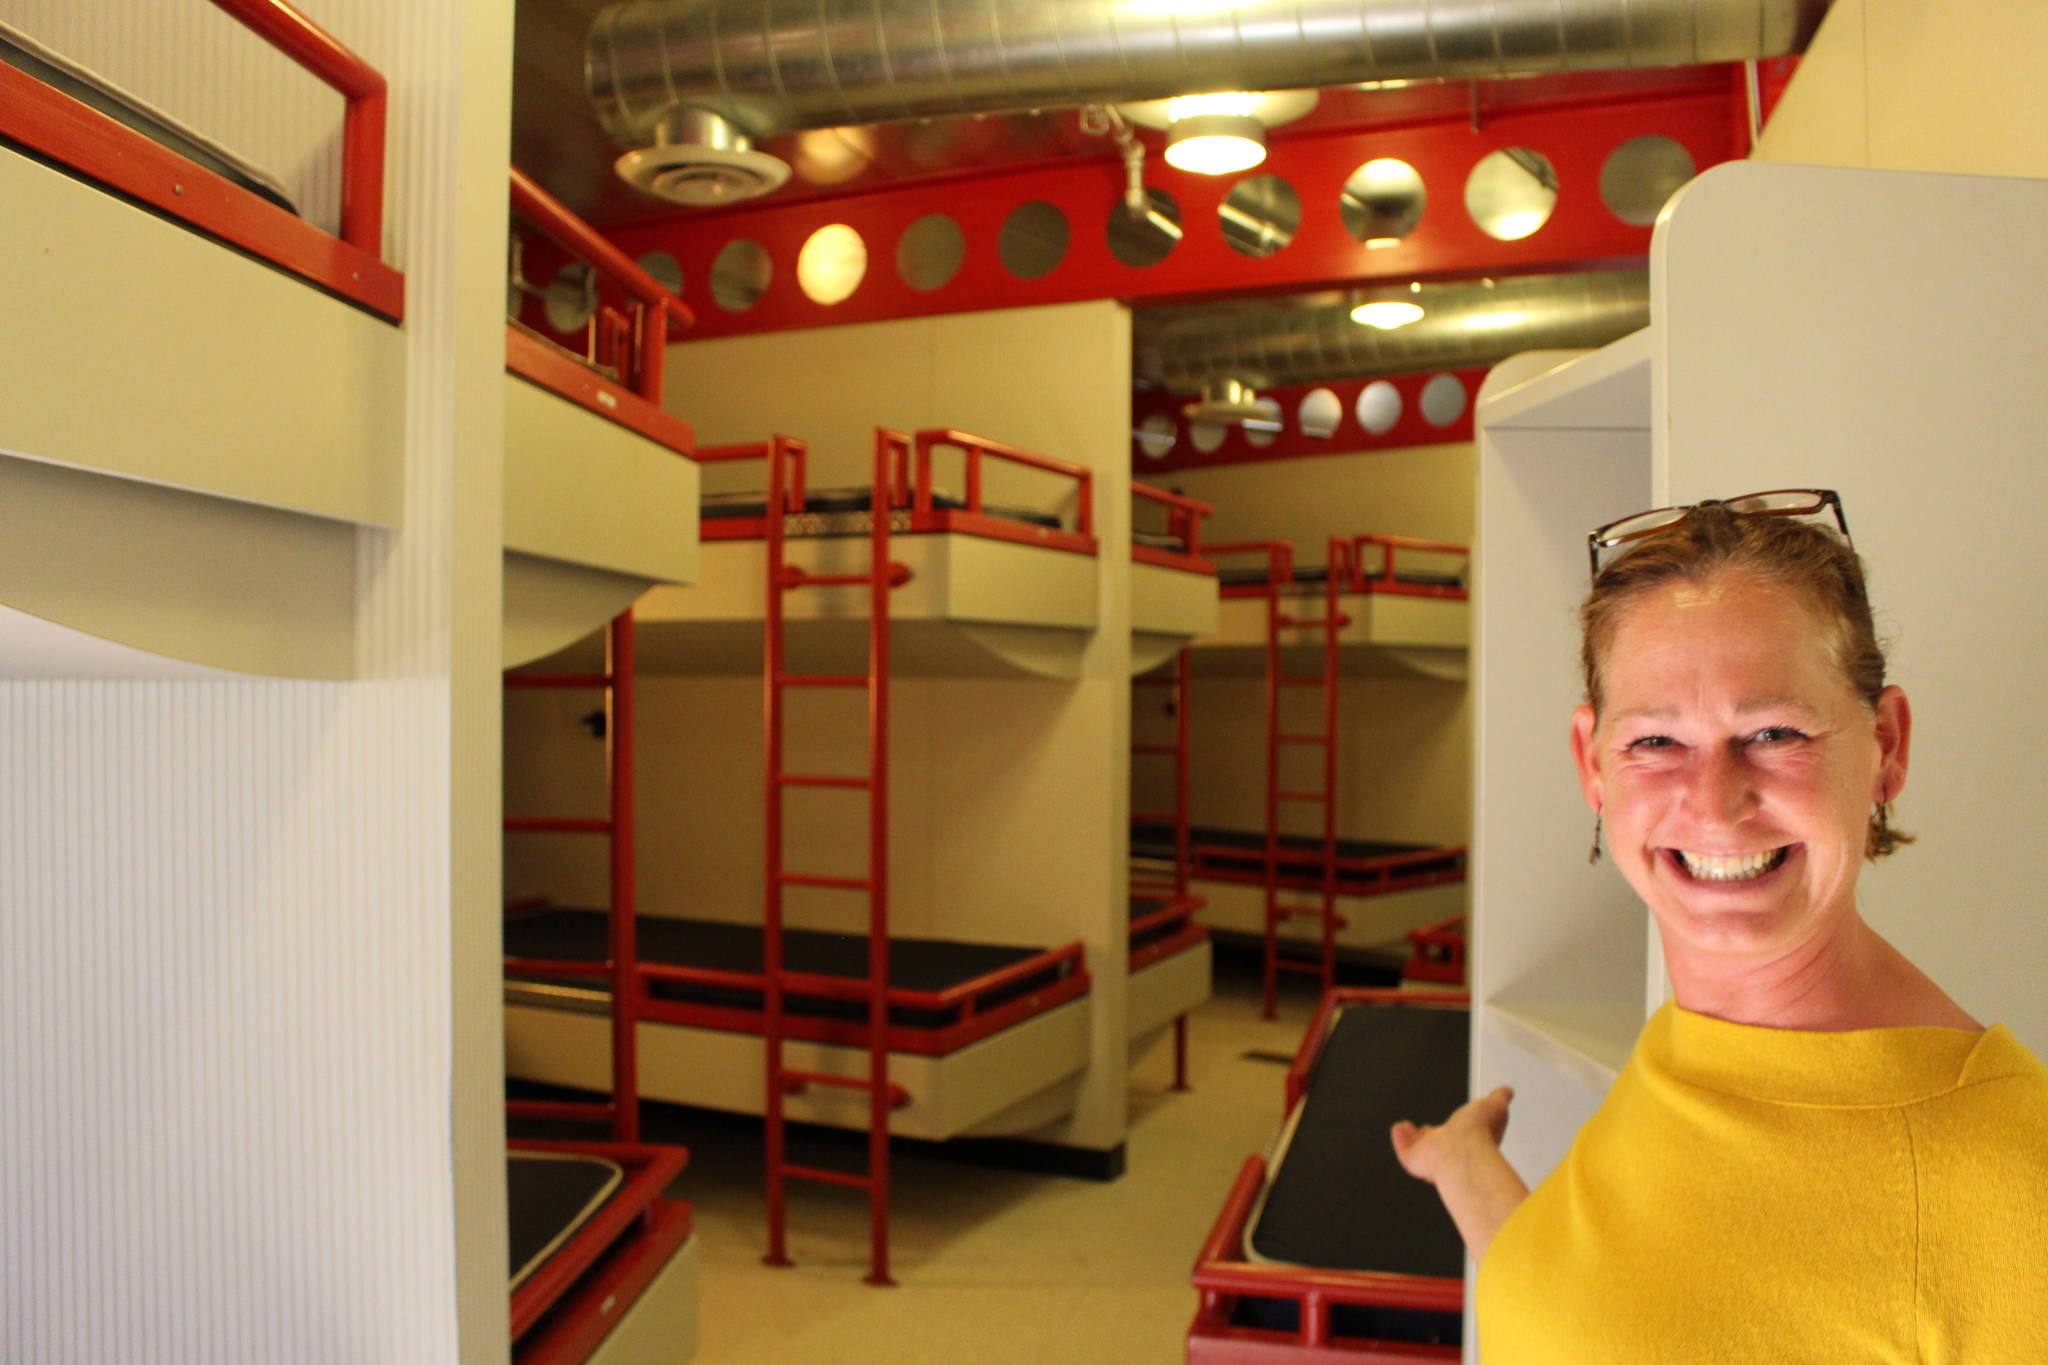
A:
1214,134
1386,314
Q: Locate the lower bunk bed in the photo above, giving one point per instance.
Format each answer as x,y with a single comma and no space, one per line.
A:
984,1039
1169,968
603,1269
1385,891
1327,1248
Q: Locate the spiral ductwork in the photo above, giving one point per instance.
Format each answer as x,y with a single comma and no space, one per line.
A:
773,66
1463,324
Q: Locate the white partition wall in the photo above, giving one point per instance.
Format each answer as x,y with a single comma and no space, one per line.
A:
251,1107
1873,332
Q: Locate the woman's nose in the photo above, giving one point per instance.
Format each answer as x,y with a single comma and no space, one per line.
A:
1721,791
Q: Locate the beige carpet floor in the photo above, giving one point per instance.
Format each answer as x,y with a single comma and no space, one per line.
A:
995,1266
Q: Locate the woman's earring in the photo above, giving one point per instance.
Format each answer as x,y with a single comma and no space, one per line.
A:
1594,856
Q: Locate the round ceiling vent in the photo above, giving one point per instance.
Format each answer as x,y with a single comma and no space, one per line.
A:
683,173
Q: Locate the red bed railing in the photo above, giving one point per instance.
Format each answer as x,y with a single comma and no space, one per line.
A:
351,265
976,450
1352,559
1437,952
633,343
1184,517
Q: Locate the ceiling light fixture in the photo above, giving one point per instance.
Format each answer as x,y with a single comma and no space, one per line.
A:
1214,134
1387,314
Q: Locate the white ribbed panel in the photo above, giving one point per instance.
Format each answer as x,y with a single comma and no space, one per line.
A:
225,1114
224,82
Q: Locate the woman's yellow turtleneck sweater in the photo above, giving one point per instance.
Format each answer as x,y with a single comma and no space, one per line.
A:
1749,1195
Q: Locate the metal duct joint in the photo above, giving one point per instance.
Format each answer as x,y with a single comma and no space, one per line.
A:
773,66
1463,324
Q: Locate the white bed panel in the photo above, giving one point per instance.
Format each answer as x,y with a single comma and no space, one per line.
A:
1162,992
160,355
1388,633
1381,921
662,1323
949,1095
585,490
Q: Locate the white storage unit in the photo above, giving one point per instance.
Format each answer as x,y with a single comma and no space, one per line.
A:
1873,332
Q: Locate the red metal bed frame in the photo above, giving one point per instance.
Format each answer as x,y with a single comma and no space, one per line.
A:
1347,572
1223,1275
906,471
1173,902
1437,952
351,265
633,342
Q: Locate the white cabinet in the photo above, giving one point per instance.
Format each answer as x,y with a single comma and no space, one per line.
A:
1874,332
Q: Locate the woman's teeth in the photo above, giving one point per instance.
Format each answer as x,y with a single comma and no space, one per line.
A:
1730,867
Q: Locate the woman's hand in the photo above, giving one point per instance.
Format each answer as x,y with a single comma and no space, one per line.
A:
1461,1157
1428,1150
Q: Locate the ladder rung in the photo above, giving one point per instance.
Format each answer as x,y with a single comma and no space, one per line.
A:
1304,739
561,1109
1299,912
1313,622
1302,796
822,680
820,780
580,680
827,580
835,883
825,1177
553,824
794,1081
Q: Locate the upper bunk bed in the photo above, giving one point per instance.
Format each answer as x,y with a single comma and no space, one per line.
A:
601,485
997,567
1173,584
1325,1248
215,375
1399,605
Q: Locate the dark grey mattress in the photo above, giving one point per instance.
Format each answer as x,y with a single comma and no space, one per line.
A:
740,506
1318,574
550,1195
1338,1199
916,964
1156,841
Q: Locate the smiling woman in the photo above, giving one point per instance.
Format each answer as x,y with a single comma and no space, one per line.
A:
1813,1152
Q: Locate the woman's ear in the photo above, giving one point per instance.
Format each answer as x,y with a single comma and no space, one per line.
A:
1584,723
1894,744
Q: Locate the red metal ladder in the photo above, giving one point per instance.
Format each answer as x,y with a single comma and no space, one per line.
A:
1173,891
621,967
1323,797
785,476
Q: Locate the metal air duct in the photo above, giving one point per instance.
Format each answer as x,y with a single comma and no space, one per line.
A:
772,66
1463,324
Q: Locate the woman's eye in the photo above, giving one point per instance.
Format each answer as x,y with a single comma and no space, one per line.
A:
1778,734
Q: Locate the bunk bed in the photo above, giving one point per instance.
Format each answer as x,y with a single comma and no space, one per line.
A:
998,572
123,516
600,487
1173,599
1326,1248
1370,608
893,1035
603,1268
